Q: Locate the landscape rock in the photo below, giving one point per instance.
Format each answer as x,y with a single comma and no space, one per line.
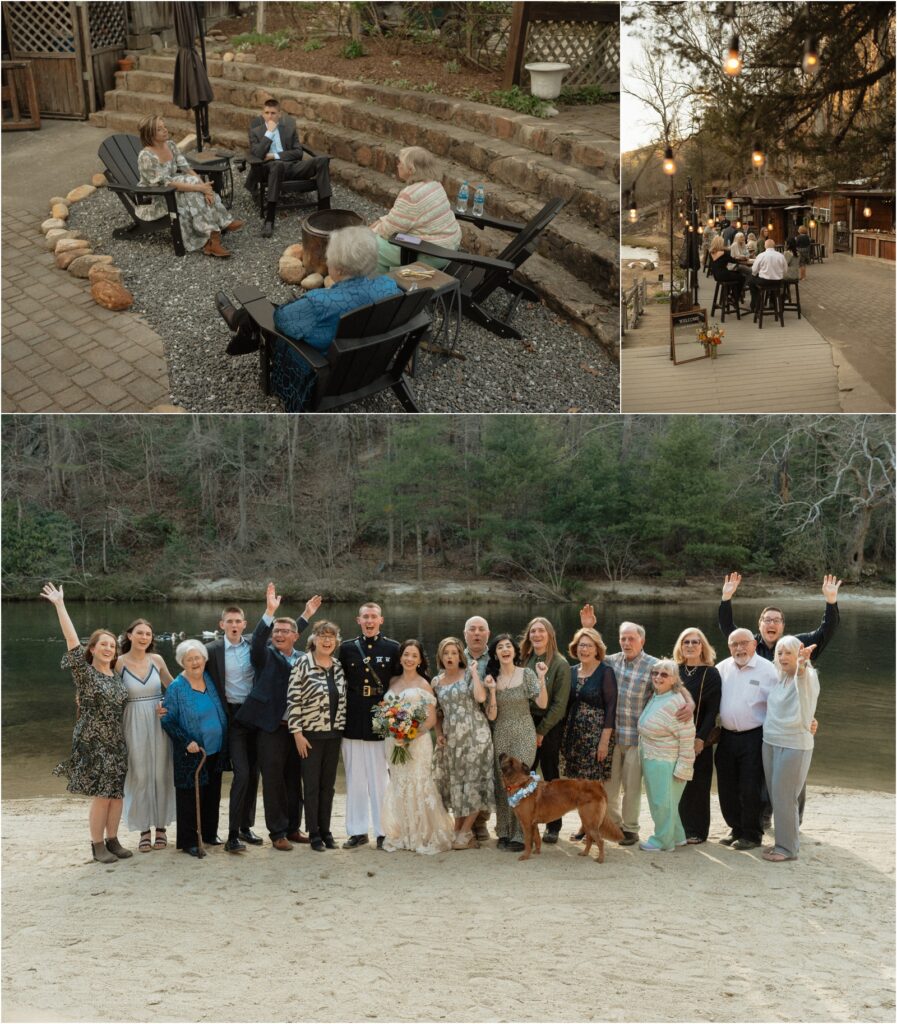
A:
64,259
98,180
312,281
80,267
291,271
228,57
79,193
111,296
104,272
56,199
71,244
56,235
294,252
59,210
52,222
244,58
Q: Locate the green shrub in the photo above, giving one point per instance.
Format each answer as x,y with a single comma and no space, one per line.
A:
516,99
313,44
280,40
428,87
452,67
353,49
584,94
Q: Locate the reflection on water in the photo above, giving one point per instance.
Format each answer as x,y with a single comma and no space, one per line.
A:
638,252
854,747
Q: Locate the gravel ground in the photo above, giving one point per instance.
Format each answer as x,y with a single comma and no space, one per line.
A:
553,370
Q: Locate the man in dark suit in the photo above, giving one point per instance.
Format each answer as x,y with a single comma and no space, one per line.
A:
273,139
273,655
230,666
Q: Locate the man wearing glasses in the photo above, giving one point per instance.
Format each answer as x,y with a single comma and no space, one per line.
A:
772,620
746,681
265,709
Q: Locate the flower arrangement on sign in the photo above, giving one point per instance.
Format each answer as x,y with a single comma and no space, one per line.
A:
711,338
401,720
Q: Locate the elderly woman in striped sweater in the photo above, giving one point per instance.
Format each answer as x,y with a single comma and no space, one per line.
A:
421,209
667,754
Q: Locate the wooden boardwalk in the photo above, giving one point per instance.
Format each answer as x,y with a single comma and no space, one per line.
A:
777,369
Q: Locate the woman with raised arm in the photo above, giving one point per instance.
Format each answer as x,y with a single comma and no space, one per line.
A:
511,687
413,815
99,759
464,757
149,786
788,742
695,657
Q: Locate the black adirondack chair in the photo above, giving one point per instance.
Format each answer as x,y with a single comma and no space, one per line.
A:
370,353
480,276
119,155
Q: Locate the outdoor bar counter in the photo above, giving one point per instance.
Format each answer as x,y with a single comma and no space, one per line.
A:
874,244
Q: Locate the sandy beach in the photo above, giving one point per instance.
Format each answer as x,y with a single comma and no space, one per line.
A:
705,933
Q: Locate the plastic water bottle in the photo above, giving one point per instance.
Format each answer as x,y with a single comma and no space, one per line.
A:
463,196
479,201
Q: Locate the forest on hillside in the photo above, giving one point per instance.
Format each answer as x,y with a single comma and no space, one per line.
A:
132,505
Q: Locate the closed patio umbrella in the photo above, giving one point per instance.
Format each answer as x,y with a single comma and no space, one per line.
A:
192,89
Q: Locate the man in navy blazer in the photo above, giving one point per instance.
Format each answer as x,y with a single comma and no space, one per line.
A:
273,654
274,140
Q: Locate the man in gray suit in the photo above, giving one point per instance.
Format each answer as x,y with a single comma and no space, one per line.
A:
273,140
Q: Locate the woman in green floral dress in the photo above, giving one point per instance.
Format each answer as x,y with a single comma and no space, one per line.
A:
99,760
510,690
463,759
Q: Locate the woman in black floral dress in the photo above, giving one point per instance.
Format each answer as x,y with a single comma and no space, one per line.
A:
99,759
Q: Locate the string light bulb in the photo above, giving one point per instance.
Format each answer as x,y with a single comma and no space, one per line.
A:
729,204
700,229
812,223
810,63
733,63
669,164
867,211
633,212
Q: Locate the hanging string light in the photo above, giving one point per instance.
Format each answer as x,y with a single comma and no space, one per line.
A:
729,204
633,211
867,211
812,223
810,63
733,63
669,164
757,156
700,229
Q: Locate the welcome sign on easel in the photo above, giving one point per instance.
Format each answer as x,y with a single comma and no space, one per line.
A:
695,315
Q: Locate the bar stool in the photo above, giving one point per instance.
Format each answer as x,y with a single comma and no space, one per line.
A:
725,299
772,294
787,301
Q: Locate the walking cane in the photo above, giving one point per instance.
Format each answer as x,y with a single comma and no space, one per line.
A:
199,845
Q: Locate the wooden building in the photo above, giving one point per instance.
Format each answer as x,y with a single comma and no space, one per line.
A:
759,201
854,220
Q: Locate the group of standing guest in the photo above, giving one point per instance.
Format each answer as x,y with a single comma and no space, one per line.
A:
260,706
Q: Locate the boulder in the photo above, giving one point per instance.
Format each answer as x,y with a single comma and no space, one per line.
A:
168,409
70,244
312,281
63,259
111,296
98,180
291,271
52,222
244,58
56,235
228,57
60,210
56,199
294,252
104,272
80,267
79,193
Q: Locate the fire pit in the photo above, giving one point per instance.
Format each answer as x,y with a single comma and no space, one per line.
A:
316,231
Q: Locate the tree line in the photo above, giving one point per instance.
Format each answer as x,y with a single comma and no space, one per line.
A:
132,506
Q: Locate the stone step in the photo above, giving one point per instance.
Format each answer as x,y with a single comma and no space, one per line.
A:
592,143
582,250
595,199
589,303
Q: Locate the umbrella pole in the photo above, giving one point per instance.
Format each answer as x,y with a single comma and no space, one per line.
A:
198,118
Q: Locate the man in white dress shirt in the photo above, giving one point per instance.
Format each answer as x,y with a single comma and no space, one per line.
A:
746,679
770,266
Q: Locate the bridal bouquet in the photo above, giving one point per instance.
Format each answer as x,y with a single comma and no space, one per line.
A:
401,720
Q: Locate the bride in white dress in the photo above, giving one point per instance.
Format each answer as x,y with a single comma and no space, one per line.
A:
413,816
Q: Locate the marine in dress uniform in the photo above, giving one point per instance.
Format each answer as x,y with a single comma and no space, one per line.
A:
369,662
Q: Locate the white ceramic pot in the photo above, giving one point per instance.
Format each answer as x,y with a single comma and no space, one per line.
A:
546,79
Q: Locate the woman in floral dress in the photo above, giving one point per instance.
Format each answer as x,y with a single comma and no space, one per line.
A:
99,759
202,215
413,816
464,757
510,690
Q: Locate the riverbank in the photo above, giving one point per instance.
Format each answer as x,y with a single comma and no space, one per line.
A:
706,933
439,588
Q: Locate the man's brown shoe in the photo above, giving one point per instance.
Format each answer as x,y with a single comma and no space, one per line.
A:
282,844
214,247
297,837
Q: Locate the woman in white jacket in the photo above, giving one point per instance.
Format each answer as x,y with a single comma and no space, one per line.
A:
788,742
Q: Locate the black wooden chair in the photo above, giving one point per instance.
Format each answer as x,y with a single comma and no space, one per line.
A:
292,193
726,298
119,155
770,299
790,302
372,349
480,276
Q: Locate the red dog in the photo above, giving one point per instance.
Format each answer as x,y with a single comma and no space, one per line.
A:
549,800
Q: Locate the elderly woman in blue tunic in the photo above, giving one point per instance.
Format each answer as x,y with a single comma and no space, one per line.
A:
195,719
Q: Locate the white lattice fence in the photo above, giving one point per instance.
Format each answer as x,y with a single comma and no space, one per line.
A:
591,49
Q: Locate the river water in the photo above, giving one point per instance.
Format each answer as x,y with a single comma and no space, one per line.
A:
854,746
